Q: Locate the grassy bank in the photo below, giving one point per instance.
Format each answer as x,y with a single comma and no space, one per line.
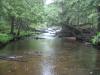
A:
6,38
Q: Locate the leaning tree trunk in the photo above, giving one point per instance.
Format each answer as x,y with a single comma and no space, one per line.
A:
98,18
12,24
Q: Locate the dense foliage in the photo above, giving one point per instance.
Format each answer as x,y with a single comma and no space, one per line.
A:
21,16
82,14
21,12
18,16
74,12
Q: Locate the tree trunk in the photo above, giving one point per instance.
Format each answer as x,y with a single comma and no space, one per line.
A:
19,26
98,18
18,32
12,24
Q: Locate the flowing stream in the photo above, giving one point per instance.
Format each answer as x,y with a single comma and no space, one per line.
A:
49,56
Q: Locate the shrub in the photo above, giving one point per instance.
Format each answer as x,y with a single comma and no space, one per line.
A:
96,39
5,38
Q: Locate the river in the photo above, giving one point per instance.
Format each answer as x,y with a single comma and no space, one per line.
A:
49,56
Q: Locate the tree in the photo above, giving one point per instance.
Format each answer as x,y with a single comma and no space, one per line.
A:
76,12
21,13
98,18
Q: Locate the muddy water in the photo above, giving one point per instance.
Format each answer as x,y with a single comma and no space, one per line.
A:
52,56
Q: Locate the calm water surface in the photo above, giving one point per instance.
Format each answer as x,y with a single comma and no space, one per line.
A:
50,56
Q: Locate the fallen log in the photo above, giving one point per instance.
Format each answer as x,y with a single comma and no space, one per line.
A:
70,38
11,59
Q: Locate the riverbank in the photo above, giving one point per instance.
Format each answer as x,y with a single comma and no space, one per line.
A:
86,35
7,38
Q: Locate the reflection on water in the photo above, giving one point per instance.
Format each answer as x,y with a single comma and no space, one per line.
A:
50,57
47,68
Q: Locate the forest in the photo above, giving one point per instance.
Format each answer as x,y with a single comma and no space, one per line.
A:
49,37
22,17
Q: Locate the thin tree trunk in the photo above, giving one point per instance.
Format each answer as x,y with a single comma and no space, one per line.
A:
19,26
18,32
98,18
12,24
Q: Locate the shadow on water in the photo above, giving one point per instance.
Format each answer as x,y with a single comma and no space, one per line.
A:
51,56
